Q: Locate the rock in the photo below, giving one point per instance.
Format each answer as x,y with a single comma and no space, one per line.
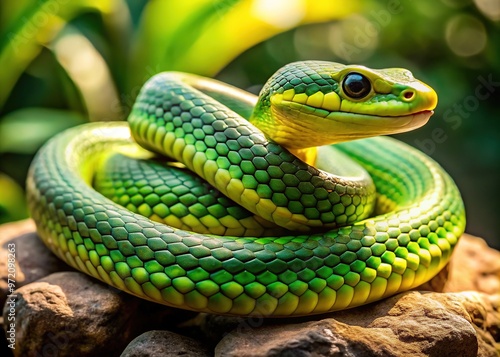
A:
164,343
484,311
5,351
412,323
14,229
70,314
30,258
214,327
153,316
474,266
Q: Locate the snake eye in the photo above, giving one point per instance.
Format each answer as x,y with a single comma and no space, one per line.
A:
356,85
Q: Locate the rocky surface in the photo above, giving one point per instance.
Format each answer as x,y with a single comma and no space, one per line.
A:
474,266
71,314
164,343
32,259
413,324
68,313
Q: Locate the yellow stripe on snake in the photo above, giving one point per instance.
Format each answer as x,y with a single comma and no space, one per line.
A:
241,205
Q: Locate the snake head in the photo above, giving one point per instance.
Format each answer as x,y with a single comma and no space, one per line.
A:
323,103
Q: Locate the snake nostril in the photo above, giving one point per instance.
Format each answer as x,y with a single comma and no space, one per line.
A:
408,95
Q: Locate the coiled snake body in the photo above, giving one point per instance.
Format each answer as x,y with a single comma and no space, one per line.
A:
299,240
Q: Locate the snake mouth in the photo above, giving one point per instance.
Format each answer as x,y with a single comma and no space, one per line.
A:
386,123
300,110
318,127
364,125
407,121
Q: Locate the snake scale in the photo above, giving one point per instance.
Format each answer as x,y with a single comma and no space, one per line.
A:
275,234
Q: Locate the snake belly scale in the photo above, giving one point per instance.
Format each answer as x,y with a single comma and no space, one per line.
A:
337,243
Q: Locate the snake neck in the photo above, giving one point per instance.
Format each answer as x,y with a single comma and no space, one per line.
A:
308,155
285,133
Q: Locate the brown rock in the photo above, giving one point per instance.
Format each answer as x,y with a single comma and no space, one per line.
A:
29,258
484,314
164,343
214,327
17,228
70,314
413,324
473,266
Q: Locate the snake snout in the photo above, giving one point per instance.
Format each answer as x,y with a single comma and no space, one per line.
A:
407,95
420,96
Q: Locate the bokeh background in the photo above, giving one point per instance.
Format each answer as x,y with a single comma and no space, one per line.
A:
63,63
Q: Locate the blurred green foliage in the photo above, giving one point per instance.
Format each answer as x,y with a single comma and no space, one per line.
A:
63,63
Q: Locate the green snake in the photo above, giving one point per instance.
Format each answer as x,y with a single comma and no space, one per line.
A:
275,234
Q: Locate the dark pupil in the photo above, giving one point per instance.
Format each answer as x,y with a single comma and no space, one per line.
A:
356,85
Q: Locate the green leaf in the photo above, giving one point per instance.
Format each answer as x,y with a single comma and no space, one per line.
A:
35,27
25,130
252,22
12,200
166,30
89,73
202,36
